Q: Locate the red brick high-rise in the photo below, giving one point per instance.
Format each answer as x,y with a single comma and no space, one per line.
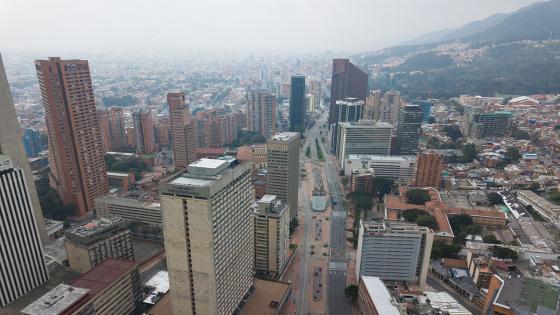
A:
144,132
261,112
103,117
77,166
182,130
429,167
347,81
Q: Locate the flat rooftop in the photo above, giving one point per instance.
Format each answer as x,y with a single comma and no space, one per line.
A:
160,284
102,275
267,297
380,296
284,136
391,158
56,301
446,302
94,227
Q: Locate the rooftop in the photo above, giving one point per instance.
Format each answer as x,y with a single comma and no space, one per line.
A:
380,296
160,284
86,231
267,298
56,301
284,136
103,275
445,302
381,157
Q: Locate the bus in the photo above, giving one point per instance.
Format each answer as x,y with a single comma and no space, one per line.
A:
333,199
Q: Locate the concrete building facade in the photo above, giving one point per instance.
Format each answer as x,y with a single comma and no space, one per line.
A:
347,81
129,209
363,137
144,132
89,244
208,231
76,163
394,251
261,112
182,130
283,168
22,262
397,168
272,236
12,146
409,130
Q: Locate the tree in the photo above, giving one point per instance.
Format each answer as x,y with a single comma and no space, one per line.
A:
459,221
453,132
441,250
427,221
308,151
519,134
413,214
512,153
503,252
51,204
351,292
383,185
293,225
494,198
557,128
417,196
491,239
469,152
433,143
361,200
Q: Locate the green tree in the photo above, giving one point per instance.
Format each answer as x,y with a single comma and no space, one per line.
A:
417,196
459,221
427,221
433,143
308,151
413,214
469,152
491,239
383,185
293,225
494,198
519,134
453,132
503,252
351,292
441,250
512,153
361,200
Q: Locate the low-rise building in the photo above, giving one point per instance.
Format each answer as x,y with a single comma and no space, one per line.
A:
544,207
398,168
89,244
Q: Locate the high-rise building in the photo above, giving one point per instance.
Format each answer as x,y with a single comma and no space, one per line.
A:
182,130
309,103
394,251
426,106
208,223
409,130
283,168
76,162
347,81
261,112
297,104
363,137
116,128
11,145
272,234
32,142
103,118
372,107
213,129
22,266
144,132
480,125
428,170
130,137
314,88
347,110
389,107
89,244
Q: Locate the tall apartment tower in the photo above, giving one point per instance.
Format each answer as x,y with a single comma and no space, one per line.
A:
283,168
372,107
297,104
390,106
394,251
314,88
347,81
76,163
182,129
144,132
11,145
272,236
409,130
261,112
22,266
208,223
103,118
428,170
116,128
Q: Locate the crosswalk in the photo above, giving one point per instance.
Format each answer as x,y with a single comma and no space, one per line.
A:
337,265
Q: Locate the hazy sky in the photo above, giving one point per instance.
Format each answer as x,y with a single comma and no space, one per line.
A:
231,25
